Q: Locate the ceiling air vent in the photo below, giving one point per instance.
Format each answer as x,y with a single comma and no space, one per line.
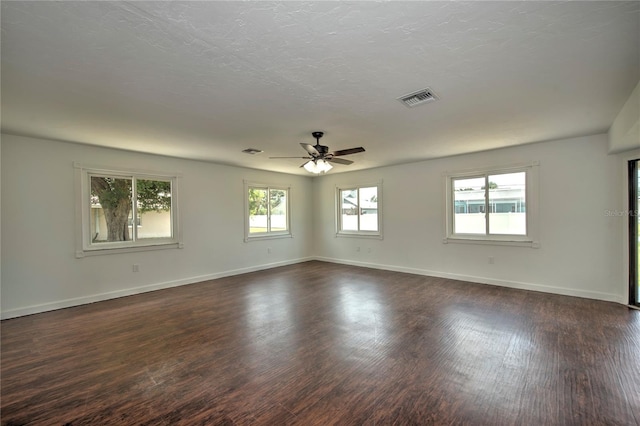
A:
252,151
418,98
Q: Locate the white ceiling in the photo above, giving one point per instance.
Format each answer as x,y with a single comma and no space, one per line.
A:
204,80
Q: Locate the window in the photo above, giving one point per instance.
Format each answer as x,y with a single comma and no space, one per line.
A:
111,202
358,210
496,205
267,211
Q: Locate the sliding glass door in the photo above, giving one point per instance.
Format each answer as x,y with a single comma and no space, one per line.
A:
634,232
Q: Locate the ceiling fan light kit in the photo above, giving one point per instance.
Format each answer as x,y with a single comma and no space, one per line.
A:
317,166
320,158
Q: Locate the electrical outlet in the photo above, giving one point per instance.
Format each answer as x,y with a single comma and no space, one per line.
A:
269,250
357,248
369,250
136,267
491,260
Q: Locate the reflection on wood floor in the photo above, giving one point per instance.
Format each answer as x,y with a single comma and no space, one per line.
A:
321,344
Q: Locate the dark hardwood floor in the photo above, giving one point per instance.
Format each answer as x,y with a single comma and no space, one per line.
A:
323,344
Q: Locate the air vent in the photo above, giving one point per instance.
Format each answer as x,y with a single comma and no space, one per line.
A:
418,98
252,151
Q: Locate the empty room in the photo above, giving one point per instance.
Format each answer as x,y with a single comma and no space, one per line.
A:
320,213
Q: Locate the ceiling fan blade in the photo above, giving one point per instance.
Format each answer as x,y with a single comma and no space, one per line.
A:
340,161
304,158
309,148
348,151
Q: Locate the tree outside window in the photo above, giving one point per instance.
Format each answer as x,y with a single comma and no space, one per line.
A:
267,211
125,210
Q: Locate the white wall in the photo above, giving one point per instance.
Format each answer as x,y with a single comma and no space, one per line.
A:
624,133
39,268
580,245
580,253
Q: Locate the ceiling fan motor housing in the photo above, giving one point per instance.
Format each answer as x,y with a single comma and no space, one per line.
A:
322,149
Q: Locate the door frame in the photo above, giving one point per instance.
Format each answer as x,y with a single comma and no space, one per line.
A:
633,188
625,158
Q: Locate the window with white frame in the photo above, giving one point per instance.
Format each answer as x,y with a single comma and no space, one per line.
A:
110,202
359,210
267,211
493,205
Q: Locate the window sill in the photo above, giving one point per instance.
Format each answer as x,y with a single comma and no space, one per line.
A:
267,237
132,249
490,241
376,236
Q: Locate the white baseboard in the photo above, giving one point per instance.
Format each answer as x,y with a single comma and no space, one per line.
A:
483,280
60,304
67,303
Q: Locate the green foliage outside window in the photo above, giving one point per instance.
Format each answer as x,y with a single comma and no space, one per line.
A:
115,197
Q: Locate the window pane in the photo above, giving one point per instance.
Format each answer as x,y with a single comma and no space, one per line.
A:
507,197
154,209
349,210
469,203
257,210
278,200
110,209
369,209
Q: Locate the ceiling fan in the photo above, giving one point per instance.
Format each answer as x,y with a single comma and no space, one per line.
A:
320,158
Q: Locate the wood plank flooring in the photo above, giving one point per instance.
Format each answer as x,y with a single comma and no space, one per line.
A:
324,344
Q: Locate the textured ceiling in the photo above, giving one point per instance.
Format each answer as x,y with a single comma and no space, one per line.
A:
204,80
